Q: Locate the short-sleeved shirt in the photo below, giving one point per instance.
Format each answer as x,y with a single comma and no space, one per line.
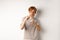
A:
31,33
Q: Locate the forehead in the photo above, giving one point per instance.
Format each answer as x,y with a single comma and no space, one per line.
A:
32,10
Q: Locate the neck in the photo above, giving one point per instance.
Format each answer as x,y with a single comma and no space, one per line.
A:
31,16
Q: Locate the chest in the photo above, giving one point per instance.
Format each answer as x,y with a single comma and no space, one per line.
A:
29,23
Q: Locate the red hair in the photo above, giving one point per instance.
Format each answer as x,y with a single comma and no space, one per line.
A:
32,8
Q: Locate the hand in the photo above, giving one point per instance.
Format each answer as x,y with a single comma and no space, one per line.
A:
38,28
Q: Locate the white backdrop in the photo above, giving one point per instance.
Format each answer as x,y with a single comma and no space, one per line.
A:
12,11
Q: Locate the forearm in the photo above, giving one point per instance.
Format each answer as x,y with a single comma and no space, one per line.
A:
22,25
37,26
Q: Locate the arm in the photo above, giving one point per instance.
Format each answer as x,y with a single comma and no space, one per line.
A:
23,22
22,25
37,26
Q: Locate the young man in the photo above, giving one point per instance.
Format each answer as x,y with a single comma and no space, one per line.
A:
31,26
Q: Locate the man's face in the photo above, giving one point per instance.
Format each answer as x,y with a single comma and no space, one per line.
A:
32,12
